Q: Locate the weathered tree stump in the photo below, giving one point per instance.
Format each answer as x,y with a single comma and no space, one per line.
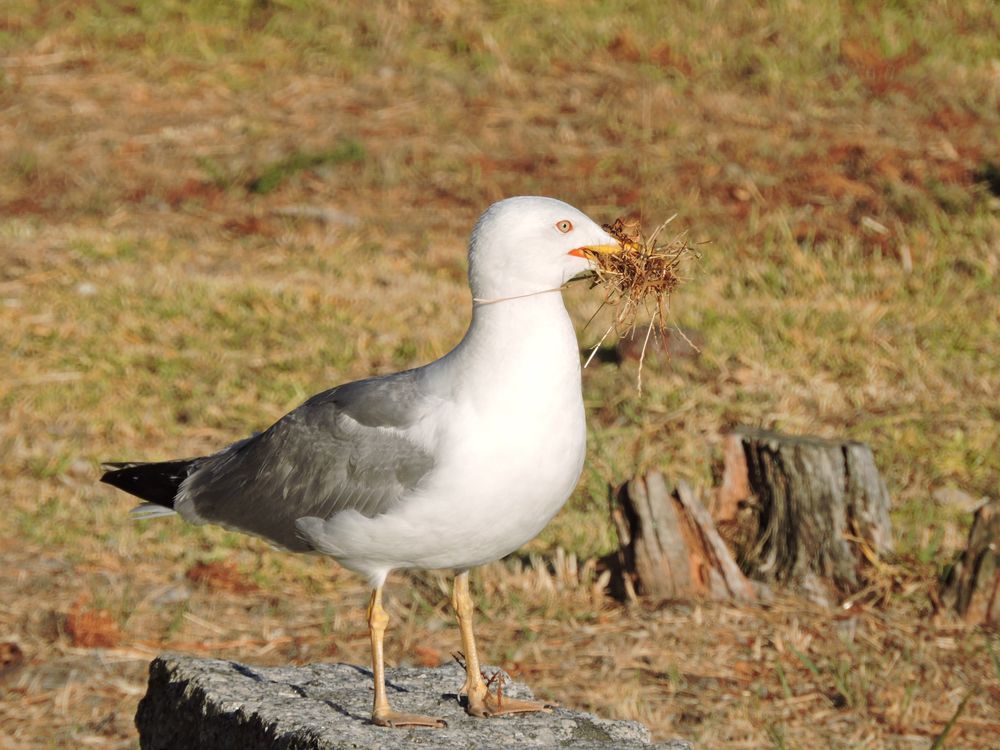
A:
973,588
734,489
817,503
670,548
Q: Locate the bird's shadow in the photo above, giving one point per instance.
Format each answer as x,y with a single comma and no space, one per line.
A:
345,713
303,693
368,673
397,688
606,355
246,671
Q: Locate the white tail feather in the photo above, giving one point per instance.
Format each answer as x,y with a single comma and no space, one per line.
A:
150,510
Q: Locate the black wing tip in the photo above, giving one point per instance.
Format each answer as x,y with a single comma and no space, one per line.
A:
110,467
155,482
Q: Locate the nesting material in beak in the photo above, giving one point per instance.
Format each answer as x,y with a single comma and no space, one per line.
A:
638,273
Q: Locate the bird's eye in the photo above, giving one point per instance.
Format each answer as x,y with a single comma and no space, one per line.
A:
564,226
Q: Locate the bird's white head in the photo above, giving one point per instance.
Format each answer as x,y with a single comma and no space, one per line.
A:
530,244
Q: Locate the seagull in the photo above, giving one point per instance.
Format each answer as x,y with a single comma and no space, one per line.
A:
446,466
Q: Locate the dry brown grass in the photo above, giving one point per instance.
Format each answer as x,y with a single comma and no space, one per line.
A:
176,270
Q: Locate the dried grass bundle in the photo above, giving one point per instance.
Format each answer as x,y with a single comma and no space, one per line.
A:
639,278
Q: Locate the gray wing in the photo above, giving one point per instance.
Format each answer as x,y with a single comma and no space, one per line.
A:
348,448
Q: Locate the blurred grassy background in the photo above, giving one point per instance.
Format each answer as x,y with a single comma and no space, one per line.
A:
210,210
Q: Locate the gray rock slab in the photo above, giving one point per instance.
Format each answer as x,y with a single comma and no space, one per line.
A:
223,705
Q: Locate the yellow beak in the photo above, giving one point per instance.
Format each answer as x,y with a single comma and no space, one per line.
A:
582,252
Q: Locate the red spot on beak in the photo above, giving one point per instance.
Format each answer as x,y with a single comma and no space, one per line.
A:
579,252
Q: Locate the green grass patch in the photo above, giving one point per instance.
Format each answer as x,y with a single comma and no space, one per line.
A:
273,175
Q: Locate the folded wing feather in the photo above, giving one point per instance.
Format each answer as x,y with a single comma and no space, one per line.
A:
354,447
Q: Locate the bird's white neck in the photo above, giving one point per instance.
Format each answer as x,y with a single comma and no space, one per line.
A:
525,343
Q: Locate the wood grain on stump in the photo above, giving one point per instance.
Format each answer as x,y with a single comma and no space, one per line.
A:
973,588
816,503
734,490
670,548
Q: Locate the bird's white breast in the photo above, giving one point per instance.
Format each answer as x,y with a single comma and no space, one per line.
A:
515,445
510,440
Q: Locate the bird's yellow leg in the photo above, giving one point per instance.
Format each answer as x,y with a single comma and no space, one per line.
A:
382,714
481,702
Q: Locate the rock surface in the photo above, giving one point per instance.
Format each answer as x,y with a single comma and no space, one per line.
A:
210,703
